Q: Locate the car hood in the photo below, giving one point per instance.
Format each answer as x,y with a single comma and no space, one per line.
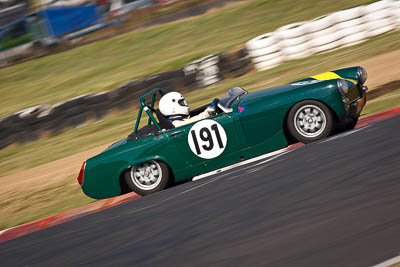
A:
274,91
350,75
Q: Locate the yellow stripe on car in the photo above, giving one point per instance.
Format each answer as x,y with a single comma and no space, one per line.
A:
350,80
330,76
326,76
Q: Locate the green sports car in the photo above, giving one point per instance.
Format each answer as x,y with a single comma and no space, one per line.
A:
245,125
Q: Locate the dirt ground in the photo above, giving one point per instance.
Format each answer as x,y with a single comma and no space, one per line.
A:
381,70
51,172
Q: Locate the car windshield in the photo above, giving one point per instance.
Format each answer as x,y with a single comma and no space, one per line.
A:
231,95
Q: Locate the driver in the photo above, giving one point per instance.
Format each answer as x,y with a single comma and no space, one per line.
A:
174,106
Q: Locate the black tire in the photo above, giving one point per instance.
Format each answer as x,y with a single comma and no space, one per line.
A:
309,121
242,71
351,125
232,56
341,127
77,120
99,111
146,171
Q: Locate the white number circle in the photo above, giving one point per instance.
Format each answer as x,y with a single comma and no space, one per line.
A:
207,139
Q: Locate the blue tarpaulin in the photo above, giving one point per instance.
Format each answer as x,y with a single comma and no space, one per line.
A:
65,20
50,23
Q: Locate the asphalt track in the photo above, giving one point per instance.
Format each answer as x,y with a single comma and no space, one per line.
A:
332,203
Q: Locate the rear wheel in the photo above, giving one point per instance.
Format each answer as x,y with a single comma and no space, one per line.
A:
148,177
309,121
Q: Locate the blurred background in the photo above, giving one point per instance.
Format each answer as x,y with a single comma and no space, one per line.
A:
71,73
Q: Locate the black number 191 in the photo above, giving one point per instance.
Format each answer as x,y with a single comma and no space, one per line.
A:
206,136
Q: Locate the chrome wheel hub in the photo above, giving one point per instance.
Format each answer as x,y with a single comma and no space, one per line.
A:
310,121
146,176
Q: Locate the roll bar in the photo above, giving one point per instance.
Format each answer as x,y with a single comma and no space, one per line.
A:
148,109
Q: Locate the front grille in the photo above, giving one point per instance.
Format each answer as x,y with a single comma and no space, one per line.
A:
353,94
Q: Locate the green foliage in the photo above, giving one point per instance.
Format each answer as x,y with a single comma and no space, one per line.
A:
7,43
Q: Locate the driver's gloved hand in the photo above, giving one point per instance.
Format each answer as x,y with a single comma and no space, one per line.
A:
212,107
211,110
214,103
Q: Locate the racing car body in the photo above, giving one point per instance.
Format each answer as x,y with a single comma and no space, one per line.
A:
246,125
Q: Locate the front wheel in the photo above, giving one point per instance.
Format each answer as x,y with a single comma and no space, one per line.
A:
148,177
351,125
309,121
340,128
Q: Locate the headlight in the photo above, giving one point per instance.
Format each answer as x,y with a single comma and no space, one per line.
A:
342,86
362,75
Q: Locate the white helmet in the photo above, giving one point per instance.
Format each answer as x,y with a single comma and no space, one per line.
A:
172,104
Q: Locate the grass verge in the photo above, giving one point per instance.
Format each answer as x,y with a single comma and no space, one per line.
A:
384,102
65,75
19,157
27,204
107,64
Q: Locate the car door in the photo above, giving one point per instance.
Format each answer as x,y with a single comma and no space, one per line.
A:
262,118
203,146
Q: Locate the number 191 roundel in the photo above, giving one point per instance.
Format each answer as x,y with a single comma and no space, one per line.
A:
207,139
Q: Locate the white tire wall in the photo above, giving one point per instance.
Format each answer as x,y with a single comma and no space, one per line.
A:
325,33
261,41
208,71
351,26
330,39
379,18
205,69
396,13
294,41
268,57
269,50
272,63
297,52
265,51
290,31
